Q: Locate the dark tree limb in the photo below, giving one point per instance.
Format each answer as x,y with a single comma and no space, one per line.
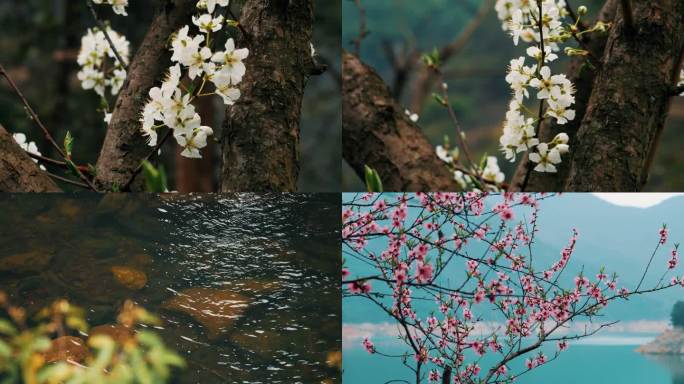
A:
124,146
630,100
18,172
376,132
582,75
260,141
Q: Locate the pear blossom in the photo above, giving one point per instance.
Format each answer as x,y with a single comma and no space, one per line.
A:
443,154
545,158
231,60
210,5
492,172
170,105
207,23
118,6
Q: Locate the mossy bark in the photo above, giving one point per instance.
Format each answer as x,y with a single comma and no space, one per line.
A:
376,132
260,140
18,172
124,146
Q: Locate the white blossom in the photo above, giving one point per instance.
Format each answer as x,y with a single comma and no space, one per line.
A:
28,146
545,158
119,6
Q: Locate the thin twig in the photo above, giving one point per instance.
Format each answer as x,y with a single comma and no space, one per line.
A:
102,27
40,124
68,181
363,31
149,155
32,114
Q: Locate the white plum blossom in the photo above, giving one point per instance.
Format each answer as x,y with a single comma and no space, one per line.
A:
491,172
119,6
412,116
28,146
208,23
170,105
545,158
444,155
231,59
555,92
210,5
99,66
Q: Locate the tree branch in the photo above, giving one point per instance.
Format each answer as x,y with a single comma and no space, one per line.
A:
376,132
18,172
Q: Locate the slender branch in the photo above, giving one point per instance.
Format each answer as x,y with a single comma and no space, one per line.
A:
103,27
363,31
30,111
149,156
68,181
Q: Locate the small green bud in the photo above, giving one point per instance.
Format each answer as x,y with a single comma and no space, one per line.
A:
582,10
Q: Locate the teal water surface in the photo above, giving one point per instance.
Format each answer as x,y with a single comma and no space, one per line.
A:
580,364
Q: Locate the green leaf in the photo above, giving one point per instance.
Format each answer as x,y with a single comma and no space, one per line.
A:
373,182
68,143
155,178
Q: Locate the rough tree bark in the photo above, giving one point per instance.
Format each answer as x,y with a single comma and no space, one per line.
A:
376,132
630,99
124,147
260,141
582,76
18,172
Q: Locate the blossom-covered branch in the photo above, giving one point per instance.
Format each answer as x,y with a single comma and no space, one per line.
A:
473,256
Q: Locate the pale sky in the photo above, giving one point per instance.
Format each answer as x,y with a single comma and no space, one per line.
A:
640,200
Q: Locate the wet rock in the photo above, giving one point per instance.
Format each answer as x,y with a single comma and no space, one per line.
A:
117,332
129,277
30,261
215,309
263,343
334,359
66,348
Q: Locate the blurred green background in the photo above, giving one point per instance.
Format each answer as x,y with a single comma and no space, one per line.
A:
475,76
39,41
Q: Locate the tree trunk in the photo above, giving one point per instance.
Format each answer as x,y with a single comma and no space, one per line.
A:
124,146
18,172
582,76
260,141
376,132
630,99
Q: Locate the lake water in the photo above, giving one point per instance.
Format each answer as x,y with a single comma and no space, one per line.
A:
279,252
585,364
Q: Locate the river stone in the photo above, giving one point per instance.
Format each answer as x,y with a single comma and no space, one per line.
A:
216,309
129,277
30,261
66,348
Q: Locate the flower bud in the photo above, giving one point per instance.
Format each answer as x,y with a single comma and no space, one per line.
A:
582,10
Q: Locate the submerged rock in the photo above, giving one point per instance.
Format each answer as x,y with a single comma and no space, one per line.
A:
129,277
670,342
31,261
216,309
66,348
117,332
